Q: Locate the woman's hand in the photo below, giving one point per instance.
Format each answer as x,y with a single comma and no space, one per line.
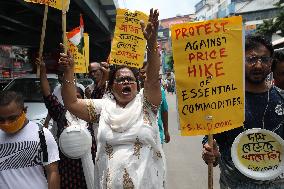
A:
66,60
150,32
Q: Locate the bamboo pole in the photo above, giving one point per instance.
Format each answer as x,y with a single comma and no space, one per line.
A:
210,165
64,37
42,37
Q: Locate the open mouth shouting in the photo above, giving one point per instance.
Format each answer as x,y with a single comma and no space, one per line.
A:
126,90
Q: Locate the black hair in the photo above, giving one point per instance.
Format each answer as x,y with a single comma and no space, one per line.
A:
115,68
255,41
278,57
79,90
6,97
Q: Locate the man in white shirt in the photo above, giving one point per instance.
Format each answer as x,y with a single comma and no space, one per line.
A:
25,149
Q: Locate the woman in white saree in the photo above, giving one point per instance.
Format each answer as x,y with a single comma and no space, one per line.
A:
129,152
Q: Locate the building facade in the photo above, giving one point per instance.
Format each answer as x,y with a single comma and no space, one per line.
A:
252,11
164,37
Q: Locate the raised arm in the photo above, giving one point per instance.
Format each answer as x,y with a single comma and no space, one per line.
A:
43,79
76,106
152,85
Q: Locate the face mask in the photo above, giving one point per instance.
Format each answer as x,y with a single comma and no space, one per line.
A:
14,126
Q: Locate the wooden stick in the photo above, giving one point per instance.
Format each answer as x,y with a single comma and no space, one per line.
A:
210,165
42,37
64,37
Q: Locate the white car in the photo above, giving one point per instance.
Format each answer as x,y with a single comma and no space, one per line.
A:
29,87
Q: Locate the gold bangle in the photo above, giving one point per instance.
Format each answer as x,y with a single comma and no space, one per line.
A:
152,49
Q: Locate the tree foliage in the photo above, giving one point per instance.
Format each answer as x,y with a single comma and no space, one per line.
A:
267,28
270,26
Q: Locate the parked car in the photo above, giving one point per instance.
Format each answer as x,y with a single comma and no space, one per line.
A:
29,87
85,81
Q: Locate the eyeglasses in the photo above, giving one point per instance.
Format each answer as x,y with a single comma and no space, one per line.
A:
95,71
254,59
122,80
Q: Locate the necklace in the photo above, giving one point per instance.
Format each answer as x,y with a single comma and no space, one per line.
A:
264,113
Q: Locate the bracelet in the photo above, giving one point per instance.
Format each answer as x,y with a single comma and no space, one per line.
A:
70,82
152,49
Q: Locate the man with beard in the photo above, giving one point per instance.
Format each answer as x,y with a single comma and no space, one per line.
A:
98,88
262,106
278,70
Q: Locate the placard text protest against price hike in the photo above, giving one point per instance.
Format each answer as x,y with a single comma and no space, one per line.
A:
208,63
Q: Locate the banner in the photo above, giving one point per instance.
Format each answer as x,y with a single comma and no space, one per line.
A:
81,60
208,63
128,46
53,3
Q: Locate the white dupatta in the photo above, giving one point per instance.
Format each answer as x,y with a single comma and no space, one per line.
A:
121,119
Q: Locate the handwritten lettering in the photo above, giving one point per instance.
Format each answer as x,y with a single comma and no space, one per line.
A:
47,2
130,14
210,69
129,28
128,54
261,169
206,92
131,20
258,147
132,38
205,43
182,33
208,126
118,61
192,108
255,137
275,155
207,55
129,46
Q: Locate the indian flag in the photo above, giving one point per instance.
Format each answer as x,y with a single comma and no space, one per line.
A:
76,36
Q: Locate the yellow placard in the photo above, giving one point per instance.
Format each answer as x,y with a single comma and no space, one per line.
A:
208,63
259,152
53,3
128,46
81,60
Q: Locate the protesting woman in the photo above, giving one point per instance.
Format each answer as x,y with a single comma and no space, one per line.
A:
129,150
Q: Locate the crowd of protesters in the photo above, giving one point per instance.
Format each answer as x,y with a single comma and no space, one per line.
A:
126,113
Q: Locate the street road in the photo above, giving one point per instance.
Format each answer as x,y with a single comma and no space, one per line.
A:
185,167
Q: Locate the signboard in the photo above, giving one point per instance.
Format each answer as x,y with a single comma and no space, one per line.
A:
258,154
208,63
52,3
81,60
128,46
